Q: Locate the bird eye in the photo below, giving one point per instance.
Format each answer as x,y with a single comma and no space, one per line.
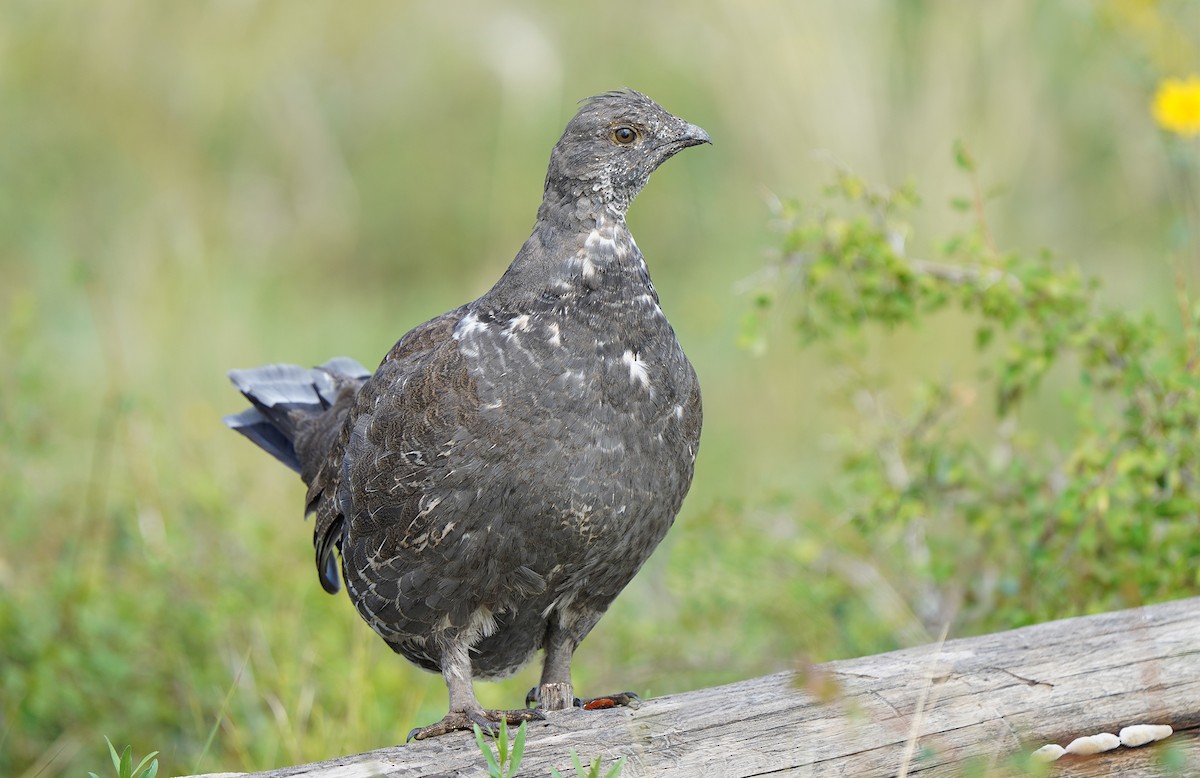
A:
624,135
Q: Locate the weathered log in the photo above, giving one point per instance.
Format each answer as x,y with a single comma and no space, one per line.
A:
980,703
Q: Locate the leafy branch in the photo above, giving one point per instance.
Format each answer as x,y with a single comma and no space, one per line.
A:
1011,522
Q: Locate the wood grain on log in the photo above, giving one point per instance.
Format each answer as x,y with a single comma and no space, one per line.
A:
978,703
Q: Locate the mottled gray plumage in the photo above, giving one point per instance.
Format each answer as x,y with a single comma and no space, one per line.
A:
512,463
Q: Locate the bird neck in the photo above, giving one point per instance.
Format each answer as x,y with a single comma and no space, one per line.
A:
580,249
577,205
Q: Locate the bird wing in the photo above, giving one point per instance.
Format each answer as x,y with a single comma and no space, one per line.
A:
328,495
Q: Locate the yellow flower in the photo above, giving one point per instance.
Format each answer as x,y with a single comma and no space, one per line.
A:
1177,105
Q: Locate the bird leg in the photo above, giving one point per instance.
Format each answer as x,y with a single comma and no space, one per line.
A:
465,711
555,691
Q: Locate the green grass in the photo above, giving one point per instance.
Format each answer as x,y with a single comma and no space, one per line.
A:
123,765
506,760
194,187
593,769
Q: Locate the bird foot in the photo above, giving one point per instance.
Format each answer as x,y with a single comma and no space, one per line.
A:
620,699
543,697
487,720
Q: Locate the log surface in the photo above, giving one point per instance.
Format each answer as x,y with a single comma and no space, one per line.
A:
973,704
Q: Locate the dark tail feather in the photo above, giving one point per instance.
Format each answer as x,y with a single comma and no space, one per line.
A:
285,395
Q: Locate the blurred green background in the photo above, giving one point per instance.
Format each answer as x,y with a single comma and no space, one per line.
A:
191,187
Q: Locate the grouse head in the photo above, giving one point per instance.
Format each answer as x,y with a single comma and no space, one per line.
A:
611,147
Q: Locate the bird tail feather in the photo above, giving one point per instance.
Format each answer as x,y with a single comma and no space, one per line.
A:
283,396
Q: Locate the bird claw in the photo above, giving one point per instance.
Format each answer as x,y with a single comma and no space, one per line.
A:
620,699
487,720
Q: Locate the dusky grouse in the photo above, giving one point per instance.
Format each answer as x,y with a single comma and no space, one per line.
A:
512,463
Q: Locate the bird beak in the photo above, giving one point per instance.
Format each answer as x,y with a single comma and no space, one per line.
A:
687,136
694,136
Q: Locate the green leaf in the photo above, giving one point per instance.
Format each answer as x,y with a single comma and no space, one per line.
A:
126,768
518,751
142,764
963,158
983,337
502,743
112,752
486,750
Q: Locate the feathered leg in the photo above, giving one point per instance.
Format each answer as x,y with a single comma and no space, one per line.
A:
465,711
555,691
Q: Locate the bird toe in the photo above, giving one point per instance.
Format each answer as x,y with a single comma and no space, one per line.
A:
620,699
466,720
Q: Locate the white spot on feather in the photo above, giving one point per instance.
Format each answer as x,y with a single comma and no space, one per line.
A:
678,411
595,239
427,505
639,371
518,324
467,326
482,622
554,339
604,238
573,377
560,603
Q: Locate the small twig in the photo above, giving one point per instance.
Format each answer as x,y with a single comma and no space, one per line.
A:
955,274
960,274
967,163
977,203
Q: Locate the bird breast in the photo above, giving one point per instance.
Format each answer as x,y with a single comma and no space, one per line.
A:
587,400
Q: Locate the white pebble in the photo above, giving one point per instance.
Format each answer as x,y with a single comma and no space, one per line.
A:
1048,753
1094,744
1141,734
1083,745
